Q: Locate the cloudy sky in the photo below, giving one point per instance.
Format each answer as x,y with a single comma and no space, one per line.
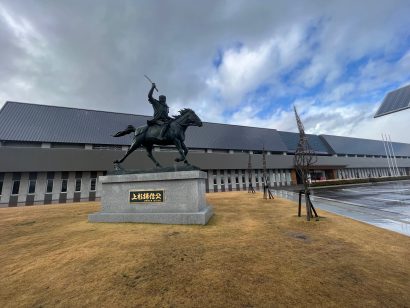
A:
238,62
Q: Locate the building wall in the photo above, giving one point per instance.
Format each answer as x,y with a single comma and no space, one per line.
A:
226,171
39,195
55,159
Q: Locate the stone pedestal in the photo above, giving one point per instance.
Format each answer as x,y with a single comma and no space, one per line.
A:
182,198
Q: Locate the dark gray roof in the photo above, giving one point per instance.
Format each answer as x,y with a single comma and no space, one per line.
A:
23,122
358,146
234,137
316,143
41,123
395,101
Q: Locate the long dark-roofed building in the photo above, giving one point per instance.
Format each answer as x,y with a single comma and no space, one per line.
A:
51,154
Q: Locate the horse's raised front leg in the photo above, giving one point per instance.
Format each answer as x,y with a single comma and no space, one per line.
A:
149,151
179,147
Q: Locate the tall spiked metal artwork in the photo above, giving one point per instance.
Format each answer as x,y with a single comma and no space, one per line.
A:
304,159
266,180
250,187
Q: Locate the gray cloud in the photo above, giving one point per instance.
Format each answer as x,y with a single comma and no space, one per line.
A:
93,54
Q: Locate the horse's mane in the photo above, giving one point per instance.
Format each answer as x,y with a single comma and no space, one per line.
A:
182,112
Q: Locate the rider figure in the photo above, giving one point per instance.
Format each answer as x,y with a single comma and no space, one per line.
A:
161,110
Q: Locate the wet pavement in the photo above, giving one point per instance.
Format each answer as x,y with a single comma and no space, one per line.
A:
386,205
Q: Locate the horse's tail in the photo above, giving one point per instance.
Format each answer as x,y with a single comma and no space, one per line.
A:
130,129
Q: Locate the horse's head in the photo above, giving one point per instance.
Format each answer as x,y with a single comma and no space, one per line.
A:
190,117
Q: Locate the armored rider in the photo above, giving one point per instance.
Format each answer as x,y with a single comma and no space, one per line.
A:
161,111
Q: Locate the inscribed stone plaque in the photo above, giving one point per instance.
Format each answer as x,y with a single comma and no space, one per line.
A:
146,196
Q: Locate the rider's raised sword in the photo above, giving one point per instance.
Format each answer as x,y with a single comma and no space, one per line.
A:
151,82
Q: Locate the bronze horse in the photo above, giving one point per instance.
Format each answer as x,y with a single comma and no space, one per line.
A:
147,136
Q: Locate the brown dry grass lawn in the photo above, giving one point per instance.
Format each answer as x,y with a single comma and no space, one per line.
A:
253,253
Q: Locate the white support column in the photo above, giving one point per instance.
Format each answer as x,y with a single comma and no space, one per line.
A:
234,176
254,179
271,177
23,189
226,180
85,185
283,177
41,184
98,186
288,178
57,187
218,179
6,191
240,179
210,180
278,178
70,187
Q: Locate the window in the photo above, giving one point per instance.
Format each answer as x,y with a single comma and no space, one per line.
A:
93,184
49,186
50,182
16,187
64,185
16,183
1,182
77,184
31,186
78,176
64,181
93,180
32,177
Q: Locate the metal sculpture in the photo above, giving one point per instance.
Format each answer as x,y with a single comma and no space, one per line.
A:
161,130
304,159
250,187
266,181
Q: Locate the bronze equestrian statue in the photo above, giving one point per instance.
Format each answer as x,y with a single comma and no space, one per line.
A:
161,130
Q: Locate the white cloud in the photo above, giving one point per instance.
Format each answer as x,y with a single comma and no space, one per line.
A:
93,54
241,70
244,69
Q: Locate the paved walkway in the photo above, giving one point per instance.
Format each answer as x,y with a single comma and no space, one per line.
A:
386,205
